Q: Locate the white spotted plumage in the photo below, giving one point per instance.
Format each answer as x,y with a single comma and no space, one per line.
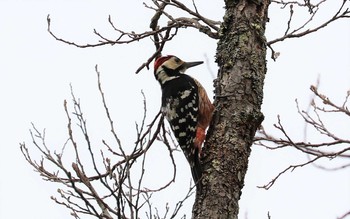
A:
182,99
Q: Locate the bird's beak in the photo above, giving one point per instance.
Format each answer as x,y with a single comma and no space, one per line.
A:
191,64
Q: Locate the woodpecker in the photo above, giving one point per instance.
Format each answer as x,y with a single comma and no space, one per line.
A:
186,106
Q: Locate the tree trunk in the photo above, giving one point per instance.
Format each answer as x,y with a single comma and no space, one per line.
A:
241,56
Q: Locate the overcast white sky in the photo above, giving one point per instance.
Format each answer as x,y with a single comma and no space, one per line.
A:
36,72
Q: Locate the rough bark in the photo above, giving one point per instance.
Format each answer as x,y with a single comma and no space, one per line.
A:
241,56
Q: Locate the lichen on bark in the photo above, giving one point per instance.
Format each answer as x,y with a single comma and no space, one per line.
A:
241,57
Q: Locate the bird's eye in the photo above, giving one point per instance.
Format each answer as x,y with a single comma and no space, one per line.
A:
177,60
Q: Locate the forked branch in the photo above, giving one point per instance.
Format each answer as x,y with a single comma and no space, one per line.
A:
333,149
159,34
95,175
306,27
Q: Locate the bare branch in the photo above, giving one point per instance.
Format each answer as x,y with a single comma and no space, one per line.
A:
327,101
90,191
291,168
301,31
160,35
337,147
290,19
344,215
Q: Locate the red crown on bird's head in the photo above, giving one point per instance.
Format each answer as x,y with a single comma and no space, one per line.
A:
160,60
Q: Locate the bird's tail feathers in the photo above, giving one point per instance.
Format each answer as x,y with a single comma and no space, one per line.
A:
196,170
